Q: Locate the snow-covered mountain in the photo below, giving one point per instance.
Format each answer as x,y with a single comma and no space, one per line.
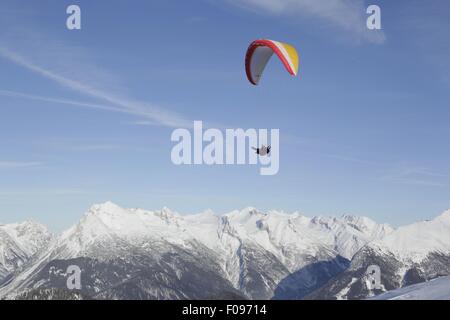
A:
409,255
413,243
139,254
436,289
19,243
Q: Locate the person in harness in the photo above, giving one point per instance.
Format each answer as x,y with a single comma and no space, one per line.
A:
263,151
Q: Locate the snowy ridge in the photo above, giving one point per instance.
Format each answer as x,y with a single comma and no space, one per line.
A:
274,231
240,242
349,233
413,243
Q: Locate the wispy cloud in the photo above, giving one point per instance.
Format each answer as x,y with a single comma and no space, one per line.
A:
400,174
348,15
416,176
141,123
108,147
99,147
18,164
85,87
351,159
42,192
59,101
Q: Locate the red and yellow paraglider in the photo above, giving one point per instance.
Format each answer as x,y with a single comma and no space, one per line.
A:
259,53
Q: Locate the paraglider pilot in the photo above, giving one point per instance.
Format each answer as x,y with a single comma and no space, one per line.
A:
263,151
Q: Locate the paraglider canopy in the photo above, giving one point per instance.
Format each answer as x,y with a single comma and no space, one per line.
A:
259,53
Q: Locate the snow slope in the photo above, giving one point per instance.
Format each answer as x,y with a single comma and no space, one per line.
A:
436,289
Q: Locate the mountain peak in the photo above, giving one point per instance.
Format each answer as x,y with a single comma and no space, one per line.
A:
107,206
167,211
415,241
167,215
22,240
106,211
208,212
243,216
445,216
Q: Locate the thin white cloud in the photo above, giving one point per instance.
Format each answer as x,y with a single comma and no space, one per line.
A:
397,173
348,15
416,176
122,104
18,164
99,147
42,192
14,94
141,123
351,159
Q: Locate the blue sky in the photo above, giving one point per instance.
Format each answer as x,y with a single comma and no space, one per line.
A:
86,116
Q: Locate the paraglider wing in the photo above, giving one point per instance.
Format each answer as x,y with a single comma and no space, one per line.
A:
259,53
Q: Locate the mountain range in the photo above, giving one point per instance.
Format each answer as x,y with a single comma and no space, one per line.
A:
245,254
